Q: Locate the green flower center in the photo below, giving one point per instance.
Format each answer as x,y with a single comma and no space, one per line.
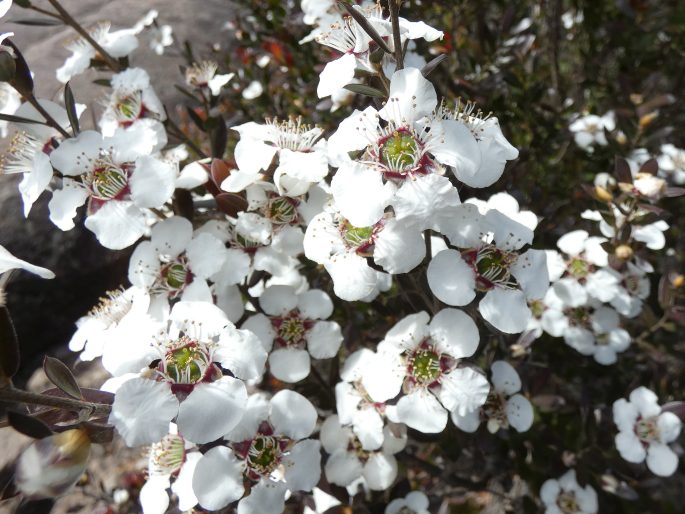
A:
291,330
425,366
168,455
579,316
129,107
186,362
567,503
281,210
264,454
492,266
647,429
537,308
579,268
399,151
176,275
107,180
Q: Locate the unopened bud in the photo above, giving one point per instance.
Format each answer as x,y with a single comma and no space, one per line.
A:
623,252
648,118
678,281
603,194
50,466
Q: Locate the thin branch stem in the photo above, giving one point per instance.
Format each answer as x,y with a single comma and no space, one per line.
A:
67,18
169,123
394,7
49,119
9,395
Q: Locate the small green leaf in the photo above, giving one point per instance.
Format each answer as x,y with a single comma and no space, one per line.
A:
28,425
70,104
365,90
59,374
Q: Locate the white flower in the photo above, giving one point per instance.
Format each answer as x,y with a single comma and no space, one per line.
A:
9,262
292,329
132,99
269,451
649,186
405,148
645,431
171,457
416,502
566,496
590,328
672,163
117,315
4,7
490,261
632,290
176,264
301,153
504,407
181,378
421,359
588,130
30,148
253,90
119,179
203,76
119,43
350,459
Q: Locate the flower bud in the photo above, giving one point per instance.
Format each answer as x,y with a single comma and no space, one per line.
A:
50,466
623,252
678,281
603,194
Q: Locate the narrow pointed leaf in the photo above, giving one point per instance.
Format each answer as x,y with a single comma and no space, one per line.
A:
432,64
365,90
651,167
8,68
59,374
22,81
622,171
70,104
38,22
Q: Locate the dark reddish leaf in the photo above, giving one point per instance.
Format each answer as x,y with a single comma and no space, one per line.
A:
622,170
22,81
8,68
677,408
219,138
219,171
361,89
430,66
674,191
70,105
98,431
35,507
59,374
651,167
665,294
28,425
366,26
231,203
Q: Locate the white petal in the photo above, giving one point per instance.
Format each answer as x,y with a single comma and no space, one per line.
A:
411,97
256,411
64,203
409,331
506,310
152,182
36,181
267,497
315,304
170,237
303,465
241,352
455,333
153,495
625,415
422,411
458,149
661,460
142,410
530,270
183,485
324,339
451,279
278,300
218,479
384,376
398,247
292,414
336,75
352,278
117,224
211,410
9,261
504,378
645,401
206,255
343,467
423,198
464,390
289,365
520,413
360,194
669,427
630,447
380,471
468,422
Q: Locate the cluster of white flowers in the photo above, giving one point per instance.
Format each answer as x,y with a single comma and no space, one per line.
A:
221,302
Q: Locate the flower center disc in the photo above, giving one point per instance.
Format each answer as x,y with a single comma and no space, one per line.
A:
399,151
567,503
186,362
129,108
264,454
579,268
647,430
290,330
358,238
491,266
282,210
107,181
168,455
425,366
